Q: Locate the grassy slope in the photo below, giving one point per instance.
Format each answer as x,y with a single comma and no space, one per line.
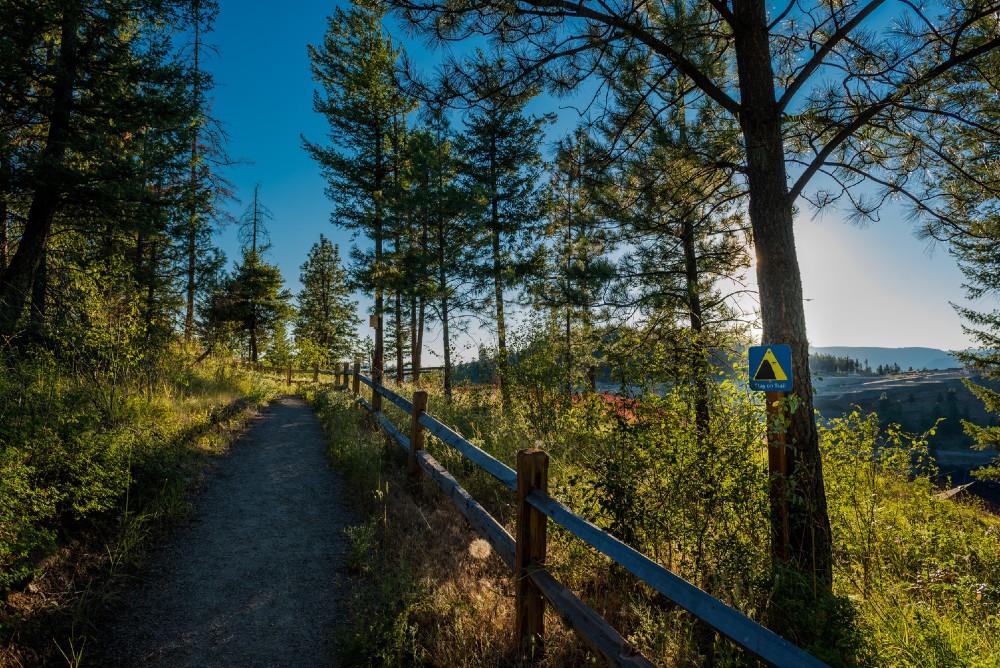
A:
918,579
85,483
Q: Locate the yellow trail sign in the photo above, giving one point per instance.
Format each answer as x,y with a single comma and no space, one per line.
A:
769,368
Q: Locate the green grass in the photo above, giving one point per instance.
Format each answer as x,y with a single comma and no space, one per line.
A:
917,579
89,472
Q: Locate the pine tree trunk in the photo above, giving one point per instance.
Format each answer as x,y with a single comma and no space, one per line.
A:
254,352
421,315
17,279
39,288
151,281
418,355
569,350
498,277
378,359
699,353
569,306
140,253
443,286
501,325
414,352
399,333
192,244
4,232
780,284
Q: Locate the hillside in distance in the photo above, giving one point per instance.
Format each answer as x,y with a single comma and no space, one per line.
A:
906,358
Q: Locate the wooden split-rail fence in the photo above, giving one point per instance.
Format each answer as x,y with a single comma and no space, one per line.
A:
290,373
524,553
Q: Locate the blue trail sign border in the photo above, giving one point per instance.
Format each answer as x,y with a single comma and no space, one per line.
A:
770,368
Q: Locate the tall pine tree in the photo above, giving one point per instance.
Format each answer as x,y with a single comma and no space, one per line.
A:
579,271
501,167
253,300
436,201
327,319
360,99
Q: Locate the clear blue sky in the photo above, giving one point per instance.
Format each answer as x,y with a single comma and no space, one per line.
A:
877,286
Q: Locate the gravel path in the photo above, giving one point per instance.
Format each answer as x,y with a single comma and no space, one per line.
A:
257,578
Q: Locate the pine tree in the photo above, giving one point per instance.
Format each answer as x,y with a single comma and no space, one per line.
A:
253,300
360,99
437,204
579,270
256,302
97,112
682,224
204,188
501,169
326,318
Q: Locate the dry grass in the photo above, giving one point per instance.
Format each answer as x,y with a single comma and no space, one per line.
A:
431,592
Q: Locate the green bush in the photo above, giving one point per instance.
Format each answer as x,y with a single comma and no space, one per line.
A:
924,573
75,442
917,579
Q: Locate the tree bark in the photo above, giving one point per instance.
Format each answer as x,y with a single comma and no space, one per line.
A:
501,325
418,355
39,288
17,279
378,358
253,338
151,280
699,356
780,284
443,286
498,282
4,234
414,354
399,333
569,305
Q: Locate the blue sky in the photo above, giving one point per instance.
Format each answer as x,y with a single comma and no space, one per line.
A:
876,286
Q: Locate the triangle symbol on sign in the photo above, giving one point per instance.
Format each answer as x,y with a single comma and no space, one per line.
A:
769,368
765,371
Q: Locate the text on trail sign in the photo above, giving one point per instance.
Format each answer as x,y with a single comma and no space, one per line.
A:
771,368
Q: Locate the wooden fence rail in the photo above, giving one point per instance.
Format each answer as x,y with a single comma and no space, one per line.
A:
525,554
340,375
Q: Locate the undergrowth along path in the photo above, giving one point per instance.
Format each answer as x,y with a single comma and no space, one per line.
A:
259,575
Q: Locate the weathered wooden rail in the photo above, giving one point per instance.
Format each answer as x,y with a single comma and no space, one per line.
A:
289,372
524,553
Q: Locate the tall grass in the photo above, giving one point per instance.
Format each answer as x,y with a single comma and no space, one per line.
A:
916,578
90,464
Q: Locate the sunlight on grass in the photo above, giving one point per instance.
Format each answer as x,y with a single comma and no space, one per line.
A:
917,579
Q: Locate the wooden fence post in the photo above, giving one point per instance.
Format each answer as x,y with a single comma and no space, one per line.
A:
529,551
315,372
288,374
357,377
347,372
416,437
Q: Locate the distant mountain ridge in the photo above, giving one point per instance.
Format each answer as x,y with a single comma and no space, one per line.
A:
906,358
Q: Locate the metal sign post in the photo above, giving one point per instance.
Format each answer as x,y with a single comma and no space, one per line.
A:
770,371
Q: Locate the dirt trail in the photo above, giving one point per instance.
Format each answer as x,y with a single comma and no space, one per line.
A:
257,579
